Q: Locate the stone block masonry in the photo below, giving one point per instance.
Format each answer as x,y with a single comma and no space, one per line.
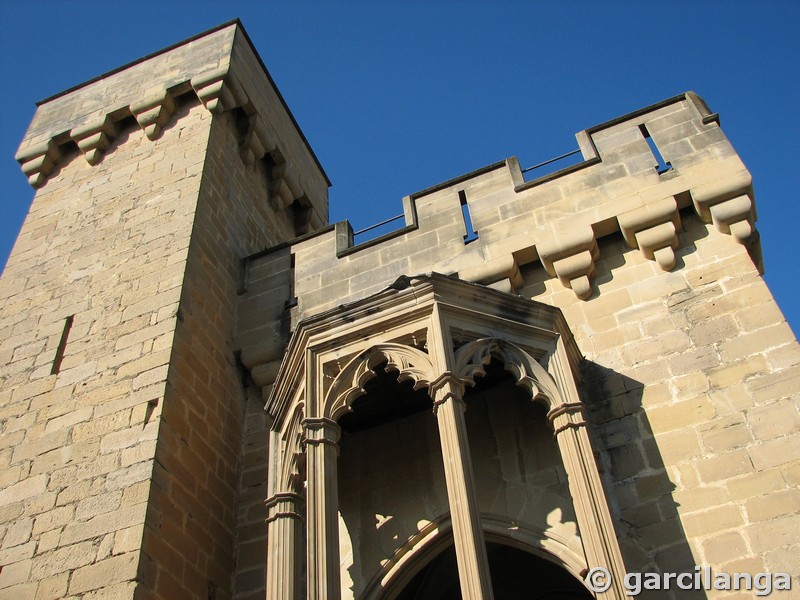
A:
177,246
690,371
128,436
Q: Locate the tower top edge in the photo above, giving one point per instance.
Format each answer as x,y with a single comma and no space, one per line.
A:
234,23
221,66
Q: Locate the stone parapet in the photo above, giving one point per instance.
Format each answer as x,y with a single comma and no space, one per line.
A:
555,221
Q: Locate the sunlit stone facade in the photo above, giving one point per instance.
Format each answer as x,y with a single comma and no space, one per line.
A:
208,392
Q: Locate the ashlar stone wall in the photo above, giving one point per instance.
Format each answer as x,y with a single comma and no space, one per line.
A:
107,247
133,450
690,372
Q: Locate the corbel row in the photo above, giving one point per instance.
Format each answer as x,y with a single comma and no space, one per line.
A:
653,229
95,137
218,91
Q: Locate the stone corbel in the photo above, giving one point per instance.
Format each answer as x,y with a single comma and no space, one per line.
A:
218,92
153,113
256,142
654,230
570,257
728,204
736,217
263,361
500,273
279,185
94,139
38,162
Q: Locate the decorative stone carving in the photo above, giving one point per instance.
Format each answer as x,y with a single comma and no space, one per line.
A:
39,161
570,256
653,229
529,374
411,365
94,139
153,112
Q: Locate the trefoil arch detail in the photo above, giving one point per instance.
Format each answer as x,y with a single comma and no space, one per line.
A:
472,358
410,364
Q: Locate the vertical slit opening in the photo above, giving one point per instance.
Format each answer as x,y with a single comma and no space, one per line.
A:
62,346
292,301
662,165
470,232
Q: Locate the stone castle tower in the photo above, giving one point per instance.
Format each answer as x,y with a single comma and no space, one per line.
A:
530,379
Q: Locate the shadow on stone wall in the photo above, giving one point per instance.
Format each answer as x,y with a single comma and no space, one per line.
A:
634,475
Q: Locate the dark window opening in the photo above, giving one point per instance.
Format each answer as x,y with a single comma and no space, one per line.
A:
662,166
471,234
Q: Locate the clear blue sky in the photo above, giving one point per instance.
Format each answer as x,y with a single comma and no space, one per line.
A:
395,97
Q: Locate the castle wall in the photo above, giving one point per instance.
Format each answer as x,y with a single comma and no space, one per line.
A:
106,245
133,459
691,380
207,514
691,373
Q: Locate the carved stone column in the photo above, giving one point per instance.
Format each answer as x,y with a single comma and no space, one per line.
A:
594,519
283,532
322,500
473,565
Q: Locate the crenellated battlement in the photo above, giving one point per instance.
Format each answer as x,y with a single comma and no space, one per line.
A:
555,221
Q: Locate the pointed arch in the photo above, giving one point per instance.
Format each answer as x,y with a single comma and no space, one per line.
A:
292,467
436,535
472,358
410,364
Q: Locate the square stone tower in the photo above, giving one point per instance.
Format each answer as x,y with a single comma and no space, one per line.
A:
530,379
124,409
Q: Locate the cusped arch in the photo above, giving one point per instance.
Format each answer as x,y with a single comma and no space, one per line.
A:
292,468
431,539
410,364
472,358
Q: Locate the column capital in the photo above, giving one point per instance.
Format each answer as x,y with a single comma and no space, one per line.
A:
447,387
568,415
321,430
284,505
